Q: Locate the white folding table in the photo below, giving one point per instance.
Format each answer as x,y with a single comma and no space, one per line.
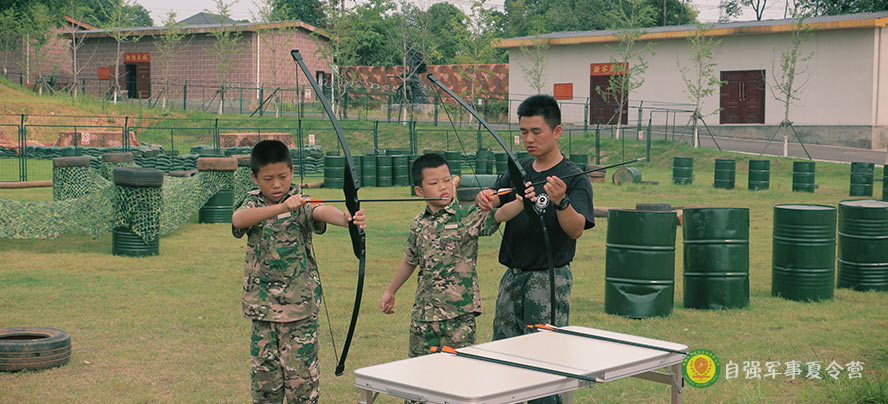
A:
446,378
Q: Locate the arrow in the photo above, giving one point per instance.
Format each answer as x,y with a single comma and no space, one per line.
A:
503,191
449,350
608,339
314,201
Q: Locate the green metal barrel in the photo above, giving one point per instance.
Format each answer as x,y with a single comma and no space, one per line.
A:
803,258
863,245
359,168
401,176
759,174
454,160
502,162
682,170
639,263
626,175
522,154
803,176
368,170
725,172
716,258
581,160
129,244
410,159
383,171
862,179
218,208
477,180
334,171
884,184
482,162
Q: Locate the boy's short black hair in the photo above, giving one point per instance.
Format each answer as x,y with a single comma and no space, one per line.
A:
541,105
269,152
430,160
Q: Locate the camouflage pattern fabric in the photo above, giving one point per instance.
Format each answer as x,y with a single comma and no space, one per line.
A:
284,361
281,281
523,299
243,182
456,332
71,182
183,197
107,168
444,245
138,209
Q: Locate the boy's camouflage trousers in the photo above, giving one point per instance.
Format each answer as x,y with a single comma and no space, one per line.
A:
284,361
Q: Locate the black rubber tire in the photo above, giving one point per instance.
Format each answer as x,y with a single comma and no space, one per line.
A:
243,160
138,177
126,157
79,161
33,348
216,164
653,206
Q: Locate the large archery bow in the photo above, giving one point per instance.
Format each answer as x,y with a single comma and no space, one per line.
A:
350,189
517,176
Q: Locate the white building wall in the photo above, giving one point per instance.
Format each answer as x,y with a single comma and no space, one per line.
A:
839,87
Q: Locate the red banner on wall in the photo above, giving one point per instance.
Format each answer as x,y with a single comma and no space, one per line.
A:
607,69
144,57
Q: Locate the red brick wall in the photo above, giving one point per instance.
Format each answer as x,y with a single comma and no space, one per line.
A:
53,58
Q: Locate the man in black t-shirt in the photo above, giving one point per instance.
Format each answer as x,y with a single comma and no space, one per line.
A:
566,206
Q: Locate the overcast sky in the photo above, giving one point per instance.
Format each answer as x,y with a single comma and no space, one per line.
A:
241,9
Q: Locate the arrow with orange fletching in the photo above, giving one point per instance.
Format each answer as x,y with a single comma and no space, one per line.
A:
449,350
315,201
598,337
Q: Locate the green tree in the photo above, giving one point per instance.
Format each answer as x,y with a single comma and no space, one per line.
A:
308,11
101,13
703,81
834,7
785,85
167,43
10,33
734,8
119,25
75,9
36,24
534,72
628,17
447,26
477,46
268,12
224,49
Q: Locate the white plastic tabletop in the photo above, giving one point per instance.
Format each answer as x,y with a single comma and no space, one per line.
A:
446,378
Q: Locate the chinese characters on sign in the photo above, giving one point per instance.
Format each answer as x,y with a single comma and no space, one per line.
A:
608,69
813,370
144,57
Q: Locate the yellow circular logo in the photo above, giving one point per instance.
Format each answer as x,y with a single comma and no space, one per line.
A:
700,368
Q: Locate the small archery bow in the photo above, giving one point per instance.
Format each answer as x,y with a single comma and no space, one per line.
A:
350,189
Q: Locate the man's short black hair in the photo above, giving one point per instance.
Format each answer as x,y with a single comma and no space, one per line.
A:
430,160
269,152
541,105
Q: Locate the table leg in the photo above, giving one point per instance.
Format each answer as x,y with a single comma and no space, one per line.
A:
567,397
677,383
366,396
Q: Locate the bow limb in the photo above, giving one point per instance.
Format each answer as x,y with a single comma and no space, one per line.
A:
517,174
350,190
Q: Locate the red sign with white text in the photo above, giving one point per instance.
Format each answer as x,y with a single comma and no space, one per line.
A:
144,57
607,69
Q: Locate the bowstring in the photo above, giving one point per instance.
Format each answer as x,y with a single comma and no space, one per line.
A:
474,172
326,312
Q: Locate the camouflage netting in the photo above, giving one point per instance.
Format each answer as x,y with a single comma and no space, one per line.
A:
148,212
138,209
242,183
183,197
107,168
88,214
72,182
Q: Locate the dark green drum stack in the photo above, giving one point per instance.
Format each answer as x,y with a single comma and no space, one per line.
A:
502,162
802,176
640,263
716,258
368,170
759,174
137,204
220,207
383,171
454,160
581,160
522,154
884,184
862,179
626,175
334,171
725,172
682,170
401,173
484,161
863,245
410,159
803,258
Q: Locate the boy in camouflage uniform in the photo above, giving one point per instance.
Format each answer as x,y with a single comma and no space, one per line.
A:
443,242
281,284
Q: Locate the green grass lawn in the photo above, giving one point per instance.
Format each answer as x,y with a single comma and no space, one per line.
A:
169,328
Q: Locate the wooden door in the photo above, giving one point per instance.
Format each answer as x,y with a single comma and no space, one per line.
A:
603,105
143,80
742,97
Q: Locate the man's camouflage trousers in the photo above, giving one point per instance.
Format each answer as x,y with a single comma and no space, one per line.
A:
284,361
456,332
